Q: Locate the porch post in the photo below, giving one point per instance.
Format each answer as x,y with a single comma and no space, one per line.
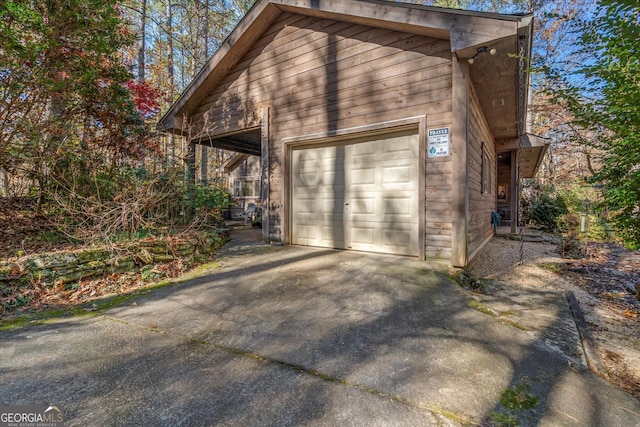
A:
191,163
264,167
515,191
460,205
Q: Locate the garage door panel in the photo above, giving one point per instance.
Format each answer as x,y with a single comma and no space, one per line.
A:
397,175
396,152
362,236
363,149
331,236
366,197
398,207
306,208
319,235
400,143
315,179
362,205
363,176
333,179
306,233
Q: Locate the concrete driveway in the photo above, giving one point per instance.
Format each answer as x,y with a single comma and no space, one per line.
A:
285,336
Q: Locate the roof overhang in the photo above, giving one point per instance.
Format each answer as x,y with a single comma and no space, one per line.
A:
234,161
247,141
533,150
501,81
466,30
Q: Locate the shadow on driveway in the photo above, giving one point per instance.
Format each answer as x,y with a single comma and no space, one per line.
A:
301,336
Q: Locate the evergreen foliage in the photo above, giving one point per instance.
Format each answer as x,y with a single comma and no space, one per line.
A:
603,95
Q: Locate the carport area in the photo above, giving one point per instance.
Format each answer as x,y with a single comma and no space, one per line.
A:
287,335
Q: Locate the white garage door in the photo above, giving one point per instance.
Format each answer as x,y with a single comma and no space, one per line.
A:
361,194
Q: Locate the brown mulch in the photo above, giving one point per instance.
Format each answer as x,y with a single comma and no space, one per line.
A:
612,274
38,296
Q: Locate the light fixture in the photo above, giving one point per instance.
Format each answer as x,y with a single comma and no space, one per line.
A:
483,49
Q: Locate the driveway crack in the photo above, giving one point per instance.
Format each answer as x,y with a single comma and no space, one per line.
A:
435,410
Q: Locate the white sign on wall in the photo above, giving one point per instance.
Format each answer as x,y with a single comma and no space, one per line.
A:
439,142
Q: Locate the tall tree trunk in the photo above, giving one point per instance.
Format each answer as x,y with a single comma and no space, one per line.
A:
52,154
170,74
204,165
143,41
142,52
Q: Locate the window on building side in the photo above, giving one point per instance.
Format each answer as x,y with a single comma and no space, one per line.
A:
246,187
486,171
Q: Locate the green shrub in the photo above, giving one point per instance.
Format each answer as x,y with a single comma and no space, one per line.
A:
546,210
207,196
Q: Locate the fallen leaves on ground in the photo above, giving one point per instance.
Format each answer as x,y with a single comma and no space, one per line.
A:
39,296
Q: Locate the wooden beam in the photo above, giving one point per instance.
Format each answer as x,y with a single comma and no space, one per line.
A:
235,158
264,159
191,163
460,205
541,155
528,141
515,191
358,130
533,151
231,144
422,187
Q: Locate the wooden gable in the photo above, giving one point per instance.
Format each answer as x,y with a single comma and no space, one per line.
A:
465,32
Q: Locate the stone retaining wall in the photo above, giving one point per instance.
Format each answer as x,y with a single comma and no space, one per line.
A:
70,266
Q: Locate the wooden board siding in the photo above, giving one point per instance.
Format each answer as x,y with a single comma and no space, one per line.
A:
438,227
481,205
319,75
332,71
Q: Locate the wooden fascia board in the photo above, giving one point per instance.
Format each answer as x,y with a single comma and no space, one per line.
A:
529,141
250,28
526,30
536,141
464,29
232,145
541,153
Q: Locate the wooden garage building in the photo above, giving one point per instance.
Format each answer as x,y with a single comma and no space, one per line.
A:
381,126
